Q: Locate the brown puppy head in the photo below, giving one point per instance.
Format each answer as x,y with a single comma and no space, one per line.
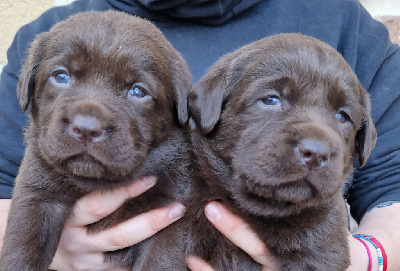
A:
104,88
289,115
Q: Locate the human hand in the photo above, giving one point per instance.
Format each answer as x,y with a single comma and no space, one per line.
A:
239,233
78,250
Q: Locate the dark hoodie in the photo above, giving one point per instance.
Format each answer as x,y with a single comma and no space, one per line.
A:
204,30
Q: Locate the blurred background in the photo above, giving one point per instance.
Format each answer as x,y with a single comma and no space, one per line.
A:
14,14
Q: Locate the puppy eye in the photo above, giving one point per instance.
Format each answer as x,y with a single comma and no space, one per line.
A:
137,91
62,78
342,117
272,100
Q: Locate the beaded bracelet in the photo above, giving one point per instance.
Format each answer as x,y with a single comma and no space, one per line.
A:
382,258
368,252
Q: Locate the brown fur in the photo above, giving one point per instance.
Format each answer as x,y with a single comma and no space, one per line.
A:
105,54
252,156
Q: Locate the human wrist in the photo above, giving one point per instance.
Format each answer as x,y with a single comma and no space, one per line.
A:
359,256
368,250
4,209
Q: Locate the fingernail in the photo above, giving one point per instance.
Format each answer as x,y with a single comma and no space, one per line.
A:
213,211
148,181
176,212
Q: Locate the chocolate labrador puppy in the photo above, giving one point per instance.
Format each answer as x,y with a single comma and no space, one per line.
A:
108,105
283,118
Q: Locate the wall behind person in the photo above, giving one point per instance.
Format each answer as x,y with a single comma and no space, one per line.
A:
14,14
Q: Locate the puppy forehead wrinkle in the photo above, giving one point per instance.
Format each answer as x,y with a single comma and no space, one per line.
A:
92,51
338,98
323,89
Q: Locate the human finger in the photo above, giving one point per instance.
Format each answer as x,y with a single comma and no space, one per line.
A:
196,264
97,205
85,261
134,230
240,234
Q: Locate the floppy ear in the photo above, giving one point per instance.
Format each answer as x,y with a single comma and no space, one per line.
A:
182,84
26,83
366,136
208,95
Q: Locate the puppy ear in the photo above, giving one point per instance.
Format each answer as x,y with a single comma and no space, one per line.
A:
26,83
182,84
366,136
208,95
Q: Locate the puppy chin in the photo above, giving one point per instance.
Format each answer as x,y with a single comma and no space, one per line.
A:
284,199
265,206
297,192
85,166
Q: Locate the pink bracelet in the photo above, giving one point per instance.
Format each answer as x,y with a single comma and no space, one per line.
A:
368,252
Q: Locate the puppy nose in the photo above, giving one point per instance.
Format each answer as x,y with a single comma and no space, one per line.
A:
314,153
86,128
